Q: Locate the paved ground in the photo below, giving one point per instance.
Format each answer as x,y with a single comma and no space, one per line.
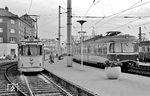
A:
94,79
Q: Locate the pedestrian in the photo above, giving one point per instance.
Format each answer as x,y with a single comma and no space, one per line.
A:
14,55
51,58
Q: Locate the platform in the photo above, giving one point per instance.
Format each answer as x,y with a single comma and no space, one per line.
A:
94,79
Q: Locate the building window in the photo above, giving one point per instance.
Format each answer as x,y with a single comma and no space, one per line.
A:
20,24
12,21
1,30
1,20
12,39
1,39
12,30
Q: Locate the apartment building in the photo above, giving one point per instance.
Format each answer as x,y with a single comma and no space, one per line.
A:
13,29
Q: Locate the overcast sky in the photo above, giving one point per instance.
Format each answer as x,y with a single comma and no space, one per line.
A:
48,12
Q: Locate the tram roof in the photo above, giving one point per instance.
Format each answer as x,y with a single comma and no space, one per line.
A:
30,39
33,41
111,38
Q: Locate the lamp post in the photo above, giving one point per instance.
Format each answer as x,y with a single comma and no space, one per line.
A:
81,32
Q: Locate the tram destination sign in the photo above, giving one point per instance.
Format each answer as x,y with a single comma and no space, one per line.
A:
33,43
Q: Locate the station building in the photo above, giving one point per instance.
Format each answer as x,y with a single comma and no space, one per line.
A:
12,30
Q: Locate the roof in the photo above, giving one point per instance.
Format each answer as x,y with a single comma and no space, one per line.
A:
111,38
27,17
6,13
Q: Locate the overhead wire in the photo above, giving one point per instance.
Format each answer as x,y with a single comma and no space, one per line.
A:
96,2
131,7
127,23
88,9
86,12
64,3
93,3
138,18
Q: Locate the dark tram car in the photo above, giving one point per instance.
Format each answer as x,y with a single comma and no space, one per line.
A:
144,51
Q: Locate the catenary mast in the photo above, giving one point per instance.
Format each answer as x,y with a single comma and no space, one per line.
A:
69,31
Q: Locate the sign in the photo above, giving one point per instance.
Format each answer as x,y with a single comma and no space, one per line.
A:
34,43
11,87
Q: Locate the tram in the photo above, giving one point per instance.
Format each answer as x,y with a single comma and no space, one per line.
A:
30,55
144,51
114,46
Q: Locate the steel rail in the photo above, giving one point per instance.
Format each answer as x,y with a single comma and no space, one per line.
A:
6,76
27,83
68,94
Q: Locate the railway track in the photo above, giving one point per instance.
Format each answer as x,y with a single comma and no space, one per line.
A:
29,84
4,88
14,77
131,69
41,85
140,70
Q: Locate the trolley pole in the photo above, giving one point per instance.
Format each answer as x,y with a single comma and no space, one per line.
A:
36,28
69,25
81,33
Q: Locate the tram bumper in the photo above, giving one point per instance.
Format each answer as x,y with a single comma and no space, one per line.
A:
34,69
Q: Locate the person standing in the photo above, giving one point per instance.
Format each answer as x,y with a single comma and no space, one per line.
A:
51,57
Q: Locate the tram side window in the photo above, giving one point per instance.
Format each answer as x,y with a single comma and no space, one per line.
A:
94,50
140,49
88,49
105,50
100,51
148,49
111,48
143,48
135,47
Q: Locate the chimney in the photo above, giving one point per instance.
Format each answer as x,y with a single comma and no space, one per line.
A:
6,8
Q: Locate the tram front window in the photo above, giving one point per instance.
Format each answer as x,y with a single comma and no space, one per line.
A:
32,50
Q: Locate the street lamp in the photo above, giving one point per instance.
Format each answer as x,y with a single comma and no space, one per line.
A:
81,32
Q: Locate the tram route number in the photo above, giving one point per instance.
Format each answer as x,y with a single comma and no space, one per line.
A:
11,87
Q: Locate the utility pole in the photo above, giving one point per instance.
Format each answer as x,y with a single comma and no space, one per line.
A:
69,25
59,26
140,35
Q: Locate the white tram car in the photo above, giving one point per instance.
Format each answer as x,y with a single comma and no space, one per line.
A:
112,47
30,57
